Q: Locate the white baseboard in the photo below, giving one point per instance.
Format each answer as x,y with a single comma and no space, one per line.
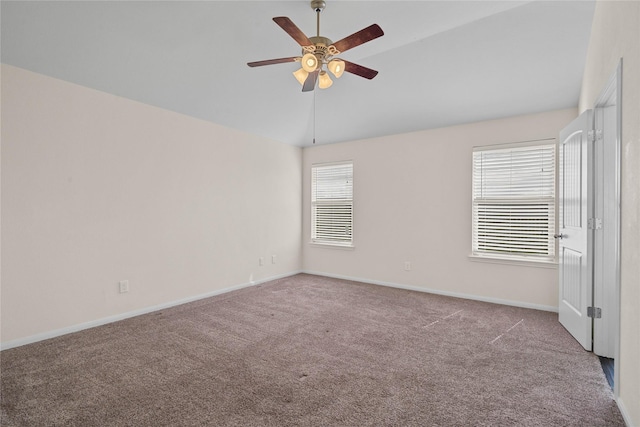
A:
625,414
440,292
110,319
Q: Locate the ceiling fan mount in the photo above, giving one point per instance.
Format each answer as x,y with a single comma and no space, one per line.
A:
318,5
319,52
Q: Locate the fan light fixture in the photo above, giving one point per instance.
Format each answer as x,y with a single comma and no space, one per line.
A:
309,62
301,75
324,81
336,66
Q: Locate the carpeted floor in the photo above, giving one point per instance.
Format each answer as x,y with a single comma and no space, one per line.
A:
312,351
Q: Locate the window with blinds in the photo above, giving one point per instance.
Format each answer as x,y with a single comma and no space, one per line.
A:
514,201
332,204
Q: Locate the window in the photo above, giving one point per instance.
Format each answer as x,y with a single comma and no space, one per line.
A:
514,201
332,204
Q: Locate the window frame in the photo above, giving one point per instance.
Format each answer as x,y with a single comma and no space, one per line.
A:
547,197
340,203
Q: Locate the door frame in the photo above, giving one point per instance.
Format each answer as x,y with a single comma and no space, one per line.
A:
606,261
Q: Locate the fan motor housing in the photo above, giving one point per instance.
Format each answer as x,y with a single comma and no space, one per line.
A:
320,44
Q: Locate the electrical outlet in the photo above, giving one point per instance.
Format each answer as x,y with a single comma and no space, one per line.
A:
407,266
273,259
123,286
261,261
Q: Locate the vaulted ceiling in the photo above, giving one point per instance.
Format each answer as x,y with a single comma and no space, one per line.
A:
440,63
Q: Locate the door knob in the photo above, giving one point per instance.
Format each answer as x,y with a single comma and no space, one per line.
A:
559,236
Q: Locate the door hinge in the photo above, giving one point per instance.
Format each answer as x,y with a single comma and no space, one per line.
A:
594,312
594,223
595,135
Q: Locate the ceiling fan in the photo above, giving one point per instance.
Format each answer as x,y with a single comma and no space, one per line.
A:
318,52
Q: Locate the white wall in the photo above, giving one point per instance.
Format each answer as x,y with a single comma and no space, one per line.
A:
616,34
98,189
412,202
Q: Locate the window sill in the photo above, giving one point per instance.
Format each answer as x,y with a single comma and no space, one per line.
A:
514,261
332,246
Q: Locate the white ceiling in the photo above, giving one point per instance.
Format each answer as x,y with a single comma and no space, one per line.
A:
440,63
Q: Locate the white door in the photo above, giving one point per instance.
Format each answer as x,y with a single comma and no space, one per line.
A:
574,237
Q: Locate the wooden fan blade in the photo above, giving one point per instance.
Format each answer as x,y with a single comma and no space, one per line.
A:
273,61
310,83
356,39
291,29
359,70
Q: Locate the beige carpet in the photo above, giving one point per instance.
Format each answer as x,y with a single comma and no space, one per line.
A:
312,351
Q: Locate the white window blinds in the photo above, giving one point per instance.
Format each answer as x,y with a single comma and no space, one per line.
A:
514,201
332,204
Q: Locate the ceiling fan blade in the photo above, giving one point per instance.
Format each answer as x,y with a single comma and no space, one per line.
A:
273,61
291,29
359,70
310,83
356,39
